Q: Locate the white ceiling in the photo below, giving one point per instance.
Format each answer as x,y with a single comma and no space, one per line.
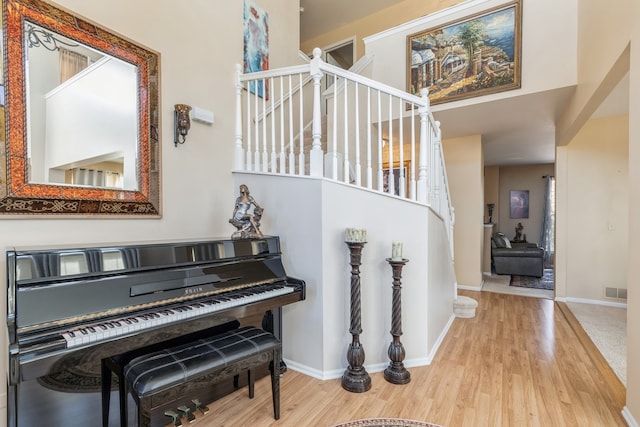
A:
516,130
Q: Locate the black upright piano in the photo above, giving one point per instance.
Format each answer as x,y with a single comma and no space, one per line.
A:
68,308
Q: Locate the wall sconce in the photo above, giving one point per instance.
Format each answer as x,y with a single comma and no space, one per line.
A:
181,123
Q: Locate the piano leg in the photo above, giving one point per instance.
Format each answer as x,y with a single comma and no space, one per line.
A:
12,405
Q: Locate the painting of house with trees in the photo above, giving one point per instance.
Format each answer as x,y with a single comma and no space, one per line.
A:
474,56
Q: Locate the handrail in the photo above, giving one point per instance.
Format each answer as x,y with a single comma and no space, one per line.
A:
373,132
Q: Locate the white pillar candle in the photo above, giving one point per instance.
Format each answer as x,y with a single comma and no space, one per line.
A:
396,251
355,235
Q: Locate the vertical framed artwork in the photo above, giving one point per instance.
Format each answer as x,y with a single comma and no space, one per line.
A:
256,45
519,203
473,56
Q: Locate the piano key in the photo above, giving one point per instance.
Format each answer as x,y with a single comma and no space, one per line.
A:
124,326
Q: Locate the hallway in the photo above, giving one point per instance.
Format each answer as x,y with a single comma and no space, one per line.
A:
519,362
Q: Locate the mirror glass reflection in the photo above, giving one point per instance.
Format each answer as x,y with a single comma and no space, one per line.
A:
82,113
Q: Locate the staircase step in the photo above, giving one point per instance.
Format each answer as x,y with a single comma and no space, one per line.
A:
464,307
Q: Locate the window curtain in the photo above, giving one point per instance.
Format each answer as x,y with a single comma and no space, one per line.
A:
548,231
71,63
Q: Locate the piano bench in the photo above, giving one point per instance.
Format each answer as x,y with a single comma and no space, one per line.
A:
177,373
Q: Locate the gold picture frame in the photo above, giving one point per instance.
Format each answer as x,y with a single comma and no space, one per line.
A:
472,56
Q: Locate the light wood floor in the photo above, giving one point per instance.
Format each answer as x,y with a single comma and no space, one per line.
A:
519,362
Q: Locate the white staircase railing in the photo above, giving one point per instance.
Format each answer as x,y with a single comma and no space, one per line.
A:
377,136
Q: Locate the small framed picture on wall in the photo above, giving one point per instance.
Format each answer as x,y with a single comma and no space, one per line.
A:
519,203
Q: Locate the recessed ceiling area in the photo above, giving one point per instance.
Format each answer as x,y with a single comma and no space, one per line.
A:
519,129
321,16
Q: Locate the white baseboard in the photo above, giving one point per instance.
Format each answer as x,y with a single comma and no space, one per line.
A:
471,288
592,301
378,367
626,414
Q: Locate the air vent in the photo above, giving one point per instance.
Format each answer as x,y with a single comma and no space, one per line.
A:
618,293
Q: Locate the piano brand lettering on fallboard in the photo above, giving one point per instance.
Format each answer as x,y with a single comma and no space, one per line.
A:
80,305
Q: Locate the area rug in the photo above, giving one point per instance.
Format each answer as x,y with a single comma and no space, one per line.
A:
547,281
385,422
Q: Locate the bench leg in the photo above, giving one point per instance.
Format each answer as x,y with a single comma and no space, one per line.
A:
106,392
250,381
122,396
108,368
274,367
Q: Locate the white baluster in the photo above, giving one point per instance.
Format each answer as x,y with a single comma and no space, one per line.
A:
380,171
239,152
248,163
292,157
412,182
301,155
357,138
265,156
345,155
369,142
391,178
256,156
401,181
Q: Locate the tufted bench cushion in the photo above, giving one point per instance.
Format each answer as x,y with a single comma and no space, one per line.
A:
173,373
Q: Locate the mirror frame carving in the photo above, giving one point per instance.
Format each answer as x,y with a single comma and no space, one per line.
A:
17,195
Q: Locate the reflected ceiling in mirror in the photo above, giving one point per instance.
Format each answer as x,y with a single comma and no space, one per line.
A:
91,163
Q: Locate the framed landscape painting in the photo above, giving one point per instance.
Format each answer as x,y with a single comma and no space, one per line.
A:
474,56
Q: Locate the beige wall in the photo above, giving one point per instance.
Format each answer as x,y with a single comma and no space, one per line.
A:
633,270
464,171
524,177
597,73
492,192
395,15
199,46
597,205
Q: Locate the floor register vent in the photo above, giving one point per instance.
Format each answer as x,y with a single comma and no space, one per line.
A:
619,293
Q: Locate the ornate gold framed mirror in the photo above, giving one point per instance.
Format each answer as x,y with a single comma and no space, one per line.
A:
81,111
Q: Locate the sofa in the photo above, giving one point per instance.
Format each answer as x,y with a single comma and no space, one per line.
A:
521,259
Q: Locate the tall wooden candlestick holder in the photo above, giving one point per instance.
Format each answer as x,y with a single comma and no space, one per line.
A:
355,377
396,373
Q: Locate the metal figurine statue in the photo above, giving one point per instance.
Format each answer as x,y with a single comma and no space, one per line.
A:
246,222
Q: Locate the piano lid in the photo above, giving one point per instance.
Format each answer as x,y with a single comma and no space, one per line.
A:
49,287
32,267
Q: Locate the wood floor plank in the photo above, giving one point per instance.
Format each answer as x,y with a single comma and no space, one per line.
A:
520,362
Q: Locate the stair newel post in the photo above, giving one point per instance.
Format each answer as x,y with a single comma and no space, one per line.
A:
425,147
239,152
315,157
355,378
396,373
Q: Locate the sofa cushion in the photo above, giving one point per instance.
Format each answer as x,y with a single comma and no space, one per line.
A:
501,241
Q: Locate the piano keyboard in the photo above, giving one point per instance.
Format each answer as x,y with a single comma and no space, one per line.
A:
131,324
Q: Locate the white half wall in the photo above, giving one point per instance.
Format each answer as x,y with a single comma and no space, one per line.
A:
310,215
